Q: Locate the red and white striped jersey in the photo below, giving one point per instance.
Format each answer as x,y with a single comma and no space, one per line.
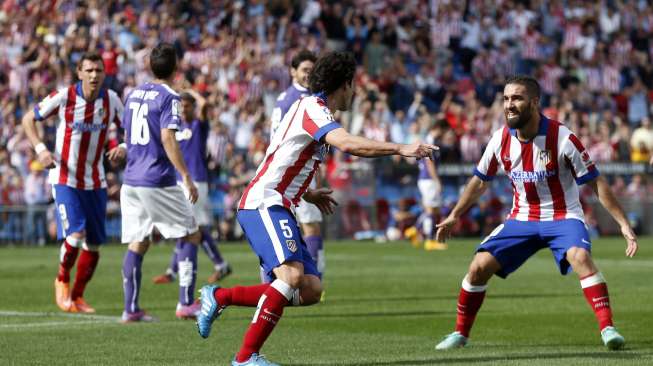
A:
81,134
293,156
545,172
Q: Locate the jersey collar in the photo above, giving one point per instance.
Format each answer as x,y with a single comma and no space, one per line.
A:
299,87
321,95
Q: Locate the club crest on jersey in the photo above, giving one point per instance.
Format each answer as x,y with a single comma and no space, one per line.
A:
545,157
292,245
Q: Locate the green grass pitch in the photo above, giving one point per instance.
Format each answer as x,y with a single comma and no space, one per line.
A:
386,304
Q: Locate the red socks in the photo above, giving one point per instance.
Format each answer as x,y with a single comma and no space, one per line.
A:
596,293
240,295
268,313
67,257
469,302
86,265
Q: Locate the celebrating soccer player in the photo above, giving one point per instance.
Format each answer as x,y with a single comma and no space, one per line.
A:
150,197
88,116
308,215
282,179
546,163
192,136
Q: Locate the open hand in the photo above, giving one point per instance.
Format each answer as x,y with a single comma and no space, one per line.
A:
321,198
444,229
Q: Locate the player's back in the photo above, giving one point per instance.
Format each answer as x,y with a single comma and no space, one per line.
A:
149,109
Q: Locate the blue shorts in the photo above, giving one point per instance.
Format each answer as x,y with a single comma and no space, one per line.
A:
81,210
274,236
513,242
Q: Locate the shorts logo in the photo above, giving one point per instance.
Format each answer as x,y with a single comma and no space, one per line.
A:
292,245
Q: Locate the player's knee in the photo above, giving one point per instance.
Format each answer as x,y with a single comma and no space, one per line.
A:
480,272
139,247
579,257
311,229
194,238
291,273
311,291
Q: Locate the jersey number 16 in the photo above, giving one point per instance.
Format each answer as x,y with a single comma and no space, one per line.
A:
140,131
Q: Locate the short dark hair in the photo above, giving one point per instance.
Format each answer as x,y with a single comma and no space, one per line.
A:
331,71
187,97
163,60
90,56
531,84
301,56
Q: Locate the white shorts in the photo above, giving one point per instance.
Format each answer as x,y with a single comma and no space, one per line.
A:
307,213
144,208
202,208
431,192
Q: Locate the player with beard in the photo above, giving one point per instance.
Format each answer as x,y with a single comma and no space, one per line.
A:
546,163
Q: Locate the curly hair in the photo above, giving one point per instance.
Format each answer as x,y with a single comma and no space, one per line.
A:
331,71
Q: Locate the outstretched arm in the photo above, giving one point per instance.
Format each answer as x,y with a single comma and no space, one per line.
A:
609,201
474,189
361,146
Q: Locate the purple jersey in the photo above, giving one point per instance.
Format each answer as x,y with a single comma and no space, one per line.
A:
148,109
192,142
284,101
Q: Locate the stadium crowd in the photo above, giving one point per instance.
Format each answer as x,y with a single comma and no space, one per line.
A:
429,70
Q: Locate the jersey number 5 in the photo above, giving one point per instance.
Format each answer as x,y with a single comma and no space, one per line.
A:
140,131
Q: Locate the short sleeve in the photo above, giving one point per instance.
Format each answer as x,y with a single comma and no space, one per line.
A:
118,109
487,167
49,106
318,119
171,112
582,167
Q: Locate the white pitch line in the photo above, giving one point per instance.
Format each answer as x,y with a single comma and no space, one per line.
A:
52,324
9,313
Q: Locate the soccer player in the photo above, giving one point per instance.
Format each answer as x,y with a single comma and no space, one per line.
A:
192,136
88,117
281,181
430,189
308,215
150,197
545,162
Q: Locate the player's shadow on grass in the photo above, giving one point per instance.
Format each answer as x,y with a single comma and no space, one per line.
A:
380,299
487,359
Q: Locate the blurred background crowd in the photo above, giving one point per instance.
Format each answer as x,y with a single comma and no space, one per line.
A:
429,70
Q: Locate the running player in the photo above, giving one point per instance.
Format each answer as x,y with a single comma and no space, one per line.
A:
546,163
150,197
308,215
281,181
192,136
88,117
